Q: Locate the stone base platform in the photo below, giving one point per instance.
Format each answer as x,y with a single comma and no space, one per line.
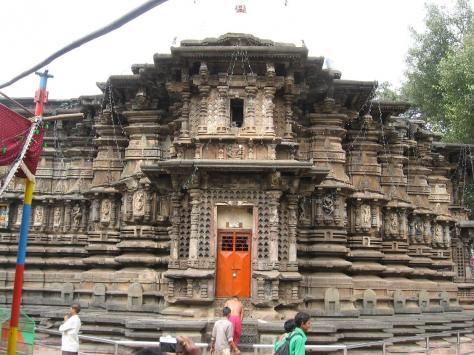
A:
117,325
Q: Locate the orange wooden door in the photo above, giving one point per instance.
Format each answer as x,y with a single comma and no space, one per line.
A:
233,263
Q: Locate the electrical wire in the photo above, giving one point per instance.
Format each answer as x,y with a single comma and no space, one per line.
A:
140,10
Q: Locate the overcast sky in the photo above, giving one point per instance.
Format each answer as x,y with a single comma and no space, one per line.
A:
365,39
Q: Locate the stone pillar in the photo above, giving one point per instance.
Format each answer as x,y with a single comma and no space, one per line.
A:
84,215
194,234
292,223
129,205
268,106
67,216
288,135
184,134
251,92
274,202
204,90
223,120
174,228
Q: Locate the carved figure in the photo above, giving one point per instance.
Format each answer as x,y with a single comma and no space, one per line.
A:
19,214
38,219
57,217
365,211
76,216
105,211
328,204
393,223
438,234
139,203
220,153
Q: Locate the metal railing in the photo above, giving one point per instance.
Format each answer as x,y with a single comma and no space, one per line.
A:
312,348
118,343
383,343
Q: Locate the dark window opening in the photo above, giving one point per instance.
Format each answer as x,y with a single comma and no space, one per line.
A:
237,112
298,78
194,70
280,69
177,75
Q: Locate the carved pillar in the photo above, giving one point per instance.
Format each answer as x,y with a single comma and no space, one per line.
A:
84,215
174,229
273,201
292,222
185,114
288,135
223,121
67,216
129,205
204,90
194,235
268,106
113,211
251,92
148,203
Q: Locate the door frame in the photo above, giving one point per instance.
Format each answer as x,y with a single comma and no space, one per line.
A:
254,237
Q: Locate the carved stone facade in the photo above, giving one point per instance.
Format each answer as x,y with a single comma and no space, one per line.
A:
349,207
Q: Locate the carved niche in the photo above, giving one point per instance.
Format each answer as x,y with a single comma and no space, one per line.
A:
438,234
139,203
38,217
105,209
76,216
366,217
57,217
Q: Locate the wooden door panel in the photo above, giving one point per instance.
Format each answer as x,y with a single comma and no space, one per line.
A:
233,263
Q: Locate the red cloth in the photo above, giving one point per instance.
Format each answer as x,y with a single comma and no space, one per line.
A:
14,129
237,325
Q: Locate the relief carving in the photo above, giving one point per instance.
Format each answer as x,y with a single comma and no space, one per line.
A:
57,217
76,216
39,214
438,234
105,210
139,203
366,216
328,204
393,226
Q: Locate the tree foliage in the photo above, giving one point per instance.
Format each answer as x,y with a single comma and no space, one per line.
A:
440,75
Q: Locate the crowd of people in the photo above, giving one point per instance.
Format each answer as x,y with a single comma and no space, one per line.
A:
224,338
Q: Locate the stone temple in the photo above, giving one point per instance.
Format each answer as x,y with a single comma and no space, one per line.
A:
240,166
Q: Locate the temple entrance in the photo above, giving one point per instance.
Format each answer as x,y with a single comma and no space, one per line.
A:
234,241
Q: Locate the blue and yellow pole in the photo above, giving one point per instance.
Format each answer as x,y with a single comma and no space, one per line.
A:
41,98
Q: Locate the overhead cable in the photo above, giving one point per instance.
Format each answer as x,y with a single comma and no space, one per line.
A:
96,34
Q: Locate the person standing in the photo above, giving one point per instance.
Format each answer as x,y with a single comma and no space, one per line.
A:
236,317
70,331
289,327
222,341
298,336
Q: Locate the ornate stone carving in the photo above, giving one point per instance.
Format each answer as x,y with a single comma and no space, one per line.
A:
139,203
328,204
105,210
57,217
76,216
366,216
39,215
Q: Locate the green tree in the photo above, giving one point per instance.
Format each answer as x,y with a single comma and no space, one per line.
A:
440,71
386,91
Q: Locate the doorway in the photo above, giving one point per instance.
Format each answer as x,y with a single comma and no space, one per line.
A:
233,263
234,249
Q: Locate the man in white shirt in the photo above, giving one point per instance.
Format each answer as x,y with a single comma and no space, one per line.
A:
70,331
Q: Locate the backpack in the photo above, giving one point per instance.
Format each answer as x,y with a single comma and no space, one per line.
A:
284,348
